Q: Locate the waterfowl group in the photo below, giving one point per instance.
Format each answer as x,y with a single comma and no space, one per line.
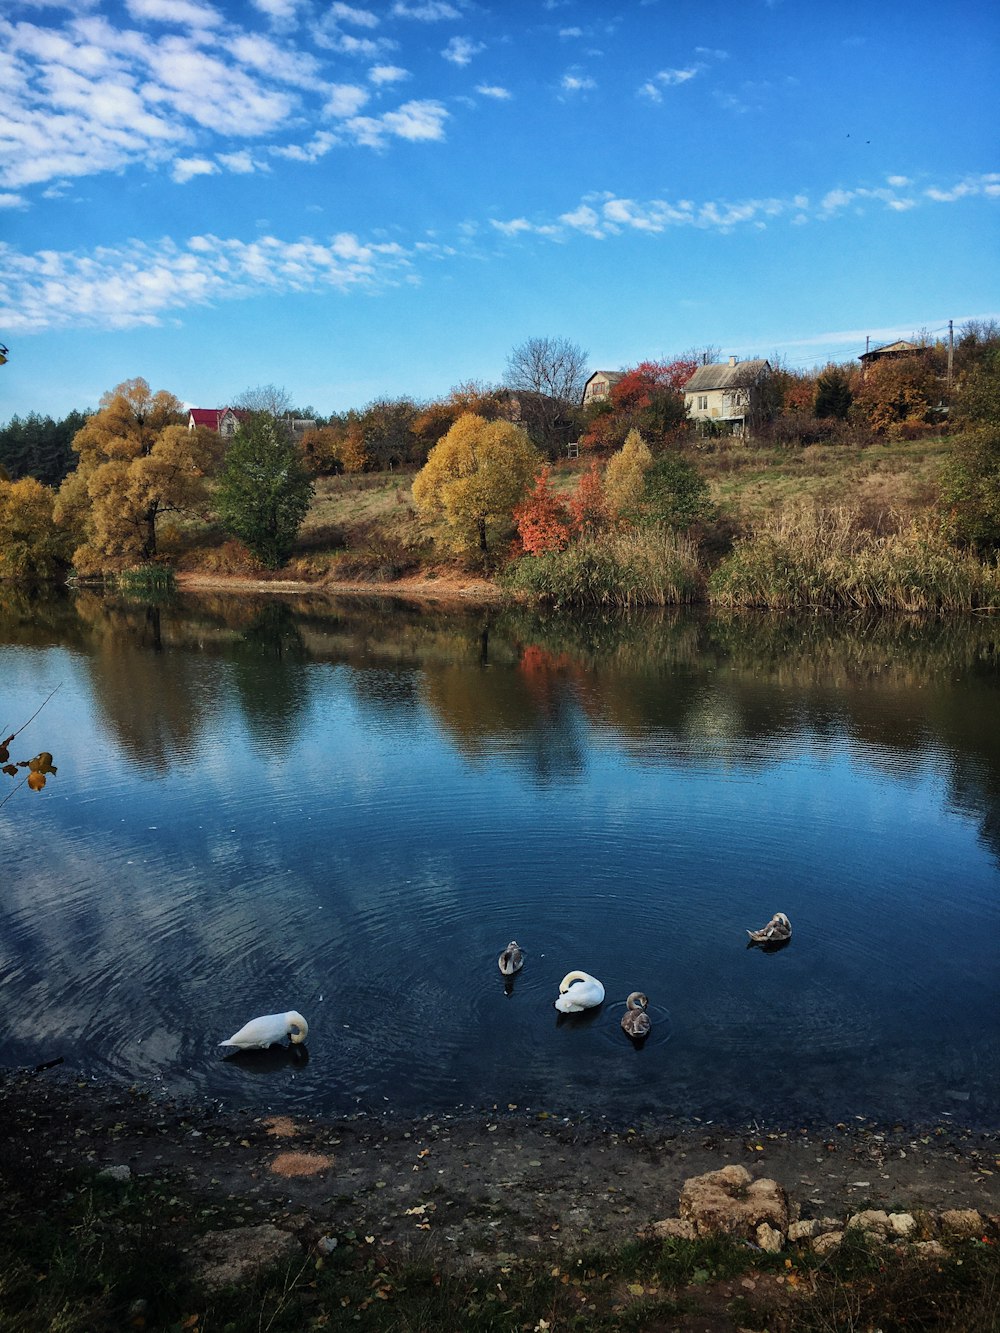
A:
578,991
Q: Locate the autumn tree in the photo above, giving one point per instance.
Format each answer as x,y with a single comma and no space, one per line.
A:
264,489
543,520
897,392
550,373
386,430
625,476
588,506
648,398
32,547
674,492
472,482
137,463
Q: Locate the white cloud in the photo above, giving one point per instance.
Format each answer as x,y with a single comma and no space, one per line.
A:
672,78
383,74
12,201
345,99
136,284
460,50
182,12
186,168
361,18
240,164
576,83
282,10
493,90
900,182
432,11
570,32
415,121
605,214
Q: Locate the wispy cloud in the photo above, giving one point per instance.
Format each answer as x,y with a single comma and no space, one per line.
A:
85,97
460,50
577,83
361,18
431,11
603,215
136,284
494,91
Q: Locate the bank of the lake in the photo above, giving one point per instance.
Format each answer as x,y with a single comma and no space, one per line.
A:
127,1208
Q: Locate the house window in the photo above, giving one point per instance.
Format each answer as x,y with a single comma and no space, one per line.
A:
703,402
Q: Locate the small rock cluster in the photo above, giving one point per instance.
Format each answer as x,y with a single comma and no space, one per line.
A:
729,1202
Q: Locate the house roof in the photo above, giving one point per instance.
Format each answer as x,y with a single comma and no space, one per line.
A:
212,416
612,376
725,376
899,348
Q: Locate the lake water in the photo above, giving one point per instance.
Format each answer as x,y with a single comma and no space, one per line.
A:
349,810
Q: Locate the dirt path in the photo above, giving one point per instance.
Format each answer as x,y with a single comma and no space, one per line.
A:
476,1185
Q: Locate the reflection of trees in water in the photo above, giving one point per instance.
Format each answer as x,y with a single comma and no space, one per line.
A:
268,661
671,686
155,704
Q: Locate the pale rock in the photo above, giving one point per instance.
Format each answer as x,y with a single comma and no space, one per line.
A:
872,1221
769,1239
902,1224
930,1249
830,1240
671,1228
730,1202
962,1223
802,1230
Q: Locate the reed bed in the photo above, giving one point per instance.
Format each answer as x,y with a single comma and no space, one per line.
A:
649,566
827,559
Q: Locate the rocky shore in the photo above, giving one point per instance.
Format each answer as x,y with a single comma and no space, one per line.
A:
501,1183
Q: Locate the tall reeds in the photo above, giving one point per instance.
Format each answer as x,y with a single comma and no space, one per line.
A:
826,559
643,566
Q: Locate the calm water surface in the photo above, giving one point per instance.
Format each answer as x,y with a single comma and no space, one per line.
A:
350,810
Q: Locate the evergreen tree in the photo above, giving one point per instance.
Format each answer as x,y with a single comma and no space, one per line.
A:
264,489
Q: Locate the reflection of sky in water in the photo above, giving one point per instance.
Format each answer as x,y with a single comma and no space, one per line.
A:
366,858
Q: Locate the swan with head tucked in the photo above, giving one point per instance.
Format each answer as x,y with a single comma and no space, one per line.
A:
777,931
635,1021
268,1030
579,991
511,960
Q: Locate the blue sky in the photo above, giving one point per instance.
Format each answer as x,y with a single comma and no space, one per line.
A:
366,199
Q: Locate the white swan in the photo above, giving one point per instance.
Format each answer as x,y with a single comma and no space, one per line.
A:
635,1021
777,931
268,1030
579,991
511,960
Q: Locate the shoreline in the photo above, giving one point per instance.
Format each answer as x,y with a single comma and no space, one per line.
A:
582,1180
439,589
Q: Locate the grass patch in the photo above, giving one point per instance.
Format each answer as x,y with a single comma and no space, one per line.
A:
649,566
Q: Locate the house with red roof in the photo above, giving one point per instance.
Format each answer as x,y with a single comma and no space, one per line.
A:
223,420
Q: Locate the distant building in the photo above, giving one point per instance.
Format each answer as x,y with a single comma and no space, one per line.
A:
730,395
896,351
600,385
223,420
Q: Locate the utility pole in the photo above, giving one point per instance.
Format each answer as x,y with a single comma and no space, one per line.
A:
951,350
868,339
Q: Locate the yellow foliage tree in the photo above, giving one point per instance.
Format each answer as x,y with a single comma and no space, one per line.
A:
625,476
137,462
473,480
32,547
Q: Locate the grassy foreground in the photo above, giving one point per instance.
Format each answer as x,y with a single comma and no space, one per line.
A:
82,1254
